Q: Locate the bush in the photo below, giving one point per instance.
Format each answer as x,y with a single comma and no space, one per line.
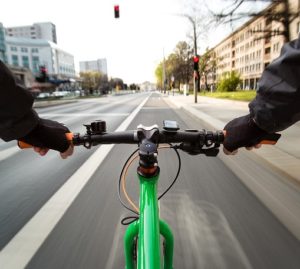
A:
229,83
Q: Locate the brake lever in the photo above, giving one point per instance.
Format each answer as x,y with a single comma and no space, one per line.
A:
192,149
211,152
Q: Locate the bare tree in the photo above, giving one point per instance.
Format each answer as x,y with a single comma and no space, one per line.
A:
278,11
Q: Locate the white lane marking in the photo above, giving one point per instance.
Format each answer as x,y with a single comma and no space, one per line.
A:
23,246
6,153
47,115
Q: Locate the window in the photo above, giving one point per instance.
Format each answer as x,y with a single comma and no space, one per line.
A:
24,49
268,21
35,50
35,63
13,48
25,61
276,47
15,60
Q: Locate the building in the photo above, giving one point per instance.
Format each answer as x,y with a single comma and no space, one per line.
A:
44,30
2,44
32,53
246,52
99,65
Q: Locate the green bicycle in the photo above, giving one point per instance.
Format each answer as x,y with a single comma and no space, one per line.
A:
142,238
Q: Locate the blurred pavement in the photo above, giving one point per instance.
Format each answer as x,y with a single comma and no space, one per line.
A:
281,195
285,155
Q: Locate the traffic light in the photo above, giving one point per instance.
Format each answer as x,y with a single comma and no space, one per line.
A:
196,62
117,11
43,76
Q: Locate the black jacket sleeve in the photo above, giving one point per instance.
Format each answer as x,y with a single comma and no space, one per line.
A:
17,118
277,103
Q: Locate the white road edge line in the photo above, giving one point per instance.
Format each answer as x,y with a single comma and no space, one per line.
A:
23,246
6,153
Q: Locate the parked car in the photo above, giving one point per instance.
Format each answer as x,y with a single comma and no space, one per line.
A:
43,95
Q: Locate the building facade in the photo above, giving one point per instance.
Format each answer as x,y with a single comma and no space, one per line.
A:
247,53
32,53
99,65
2,44
43,30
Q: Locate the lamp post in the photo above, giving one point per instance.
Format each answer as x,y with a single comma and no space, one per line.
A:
196,72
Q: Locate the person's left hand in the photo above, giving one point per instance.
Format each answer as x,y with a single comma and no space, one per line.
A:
63,155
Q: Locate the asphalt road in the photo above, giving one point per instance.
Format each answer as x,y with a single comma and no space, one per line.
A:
217,222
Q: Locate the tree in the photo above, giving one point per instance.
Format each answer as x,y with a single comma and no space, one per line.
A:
278,11
207,66
201,23
184,69
104,86
159,75
229,82
117,83
178,65
90,80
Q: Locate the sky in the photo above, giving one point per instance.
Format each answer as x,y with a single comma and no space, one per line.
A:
133,45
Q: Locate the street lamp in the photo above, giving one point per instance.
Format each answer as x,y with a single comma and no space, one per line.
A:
196,73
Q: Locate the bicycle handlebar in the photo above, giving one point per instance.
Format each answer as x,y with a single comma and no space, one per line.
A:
191,141
134,137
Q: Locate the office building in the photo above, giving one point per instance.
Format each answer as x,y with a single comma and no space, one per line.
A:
32,53
99,65
2,44
44,30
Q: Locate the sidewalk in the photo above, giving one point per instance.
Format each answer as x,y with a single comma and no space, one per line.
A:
278,186
285,155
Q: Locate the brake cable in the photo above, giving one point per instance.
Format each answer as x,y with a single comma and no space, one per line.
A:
122,181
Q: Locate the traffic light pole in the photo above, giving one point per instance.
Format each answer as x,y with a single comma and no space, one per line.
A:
195,87
196,72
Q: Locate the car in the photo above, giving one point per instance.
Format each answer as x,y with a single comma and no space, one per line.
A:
43,95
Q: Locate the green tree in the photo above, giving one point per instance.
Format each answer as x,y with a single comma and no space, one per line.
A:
90,80
184,68
207,66
159,75
178,65
117,83
229,82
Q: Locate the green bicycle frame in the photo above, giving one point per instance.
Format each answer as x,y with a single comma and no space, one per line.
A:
148,230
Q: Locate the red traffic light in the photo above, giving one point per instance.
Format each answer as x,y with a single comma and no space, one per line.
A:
43,69
196,59
117,11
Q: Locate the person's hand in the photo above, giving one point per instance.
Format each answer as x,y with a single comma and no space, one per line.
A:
242,132
63,155
227,152
47,135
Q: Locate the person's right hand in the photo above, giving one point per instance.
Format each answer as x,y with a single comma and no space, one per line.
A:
47,135
242,132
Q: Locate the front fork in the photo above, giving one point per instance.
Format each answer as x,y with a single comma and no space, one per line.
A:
148,230
129,243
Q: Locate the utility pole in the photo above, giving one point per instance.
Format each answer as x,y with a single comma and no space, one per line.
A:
164,73
196,72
